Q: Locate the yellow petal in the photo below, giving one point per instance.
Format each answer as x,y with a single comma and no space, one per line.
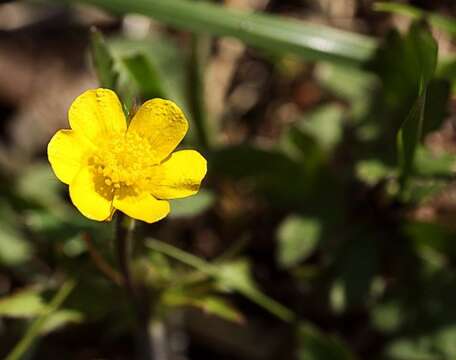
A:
142,207
162,123
91,196
67,153
179,176
96,113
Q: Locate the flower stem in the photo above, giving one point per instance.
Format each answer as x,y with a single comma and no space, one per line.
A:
138,298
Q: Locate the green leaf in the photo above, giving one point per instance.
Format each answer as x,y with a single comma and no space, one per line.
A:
440,344
29,303
145,74
38,183
387,317
14,247
212,305
273,33
357,264
298,237
314,345
447,70
103,61
231,276
445,23
23,304
409,136
159,66
324,125
37,326
429,164
60,319
420,44
353,85
372,171
236,276
192,206
197,61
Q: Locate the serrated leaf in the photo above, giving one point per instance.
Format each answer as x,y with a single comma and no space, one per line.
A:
298,237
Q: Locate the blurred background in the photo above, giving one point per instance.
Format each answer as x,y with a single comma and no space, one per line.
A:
325,228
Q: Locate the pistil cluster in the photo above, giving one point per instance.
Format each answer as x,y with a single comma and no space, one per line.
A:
122,162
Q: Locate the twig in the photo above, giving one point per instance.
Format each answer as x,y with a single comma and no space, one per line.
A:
101,263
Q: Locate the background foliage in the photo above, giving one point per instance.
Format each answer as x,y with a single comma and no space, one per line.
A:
325,228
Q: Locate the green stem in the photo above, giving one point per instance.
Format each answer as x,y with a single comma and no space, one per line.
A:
34,330
198,54
139,302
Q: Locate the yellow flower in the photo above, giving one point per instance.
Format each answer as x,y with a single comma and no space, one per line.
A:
109,166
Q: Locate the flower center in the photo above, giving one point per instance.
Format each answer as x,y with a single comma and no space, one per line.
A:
123,162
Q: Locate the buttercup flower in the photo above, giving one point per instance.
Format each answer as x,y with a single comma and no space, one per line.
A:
109,166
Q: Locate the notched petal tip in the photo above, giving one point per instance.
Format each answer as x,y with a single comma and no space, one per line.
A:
162,123
97,112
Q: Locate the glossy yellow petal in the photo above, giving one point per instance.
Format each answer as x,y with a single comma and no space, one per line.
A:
67,153
179,176
97,113
91,195
162,123
142,207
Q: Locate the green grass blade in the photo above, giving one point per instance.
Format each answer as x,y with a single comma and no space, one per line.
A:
34,330
197,58
443,22
268,32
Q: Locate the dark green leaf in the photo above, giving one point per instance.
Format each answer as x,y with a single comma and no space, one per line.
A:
103,61
315,345
146,76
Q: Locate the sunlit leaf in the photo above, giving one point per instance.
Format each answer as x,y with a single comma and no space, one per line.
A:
25,303
298,237
273,33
